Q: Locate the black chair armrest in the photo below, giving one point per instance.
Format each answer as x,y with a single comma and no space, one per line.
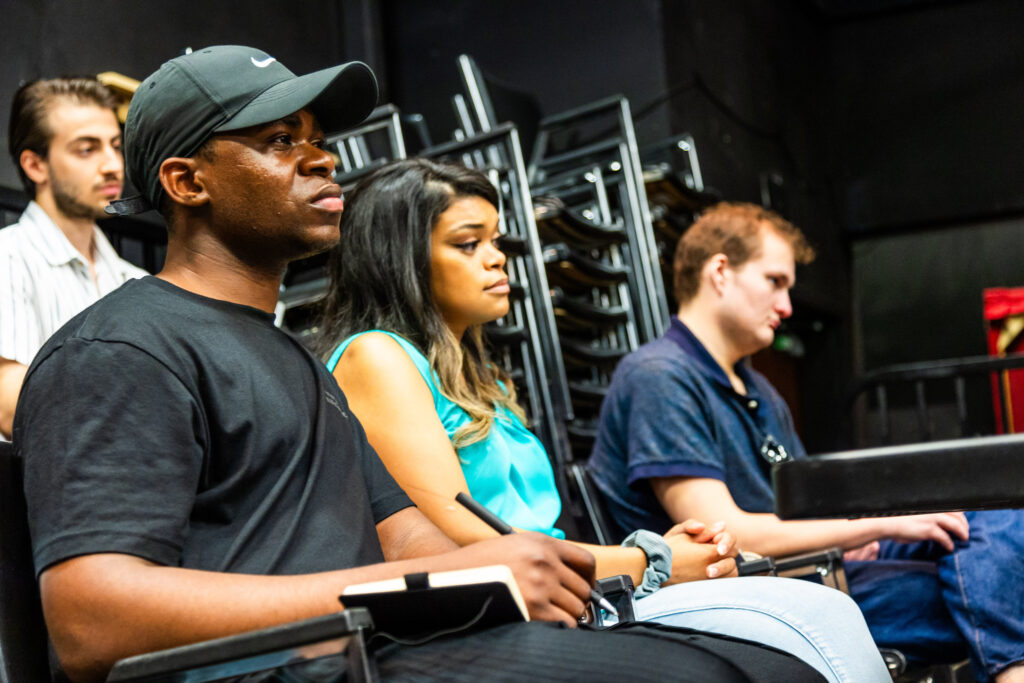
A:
938,476
827,564
619,591
829,556
761,566
258,651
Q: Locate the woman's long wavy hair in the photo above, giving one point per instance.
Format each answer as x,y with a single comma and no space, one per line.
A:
380,279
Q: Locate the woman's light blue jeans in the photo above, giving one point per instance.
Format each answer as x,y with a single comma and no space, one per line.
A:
820,625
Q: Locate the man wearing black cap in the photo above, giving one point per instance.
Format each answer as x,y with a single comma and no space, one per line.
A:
206,477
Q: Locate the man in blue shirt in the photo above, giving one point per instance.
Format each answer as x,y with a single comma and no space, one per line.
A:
689,429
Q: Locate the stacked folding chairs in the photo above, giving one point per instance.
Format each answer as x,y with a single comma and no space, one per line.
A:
676,195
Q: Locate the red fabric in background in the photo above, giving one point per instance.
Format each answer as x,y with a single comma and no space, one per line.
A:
1000,304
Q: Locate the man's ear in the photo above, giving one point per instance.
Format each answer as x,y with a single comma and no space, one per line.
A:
181,182
716,272
36,167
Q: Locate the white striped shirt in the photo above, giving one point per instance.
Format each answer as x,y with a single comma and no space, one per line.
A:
45,281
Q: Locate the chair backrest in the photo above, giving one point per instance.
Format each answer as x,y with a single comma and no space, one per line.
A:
493,102
934,400
23,644
593,506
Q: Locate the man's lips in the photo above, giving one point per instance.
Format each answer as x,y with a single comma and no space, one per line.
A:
329,199
111,190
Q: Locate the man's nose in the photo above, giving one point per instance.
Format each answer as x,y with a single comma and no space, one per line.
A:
318,161
783,305
112,162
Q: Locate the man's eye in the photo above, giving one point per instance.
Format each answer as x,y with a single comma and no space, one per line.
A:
319,143
468,247
282,139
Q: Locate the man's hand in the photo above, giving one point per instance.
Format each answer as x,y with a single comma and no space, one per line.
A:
867,552
942,528
700,551
554,577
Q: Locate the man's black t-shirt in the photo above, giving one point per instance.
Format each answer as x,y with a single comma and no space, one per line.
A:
191,432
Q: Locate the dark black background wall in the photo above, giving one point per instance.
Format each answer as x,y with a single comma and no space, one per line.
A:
924,159
891,127
566,53
926,105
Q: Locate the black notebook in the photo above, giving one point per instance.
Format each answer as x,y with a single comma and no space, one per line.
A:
419,606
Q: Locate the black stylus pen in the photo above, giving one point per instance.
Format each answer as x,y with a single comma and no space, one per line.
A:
498,524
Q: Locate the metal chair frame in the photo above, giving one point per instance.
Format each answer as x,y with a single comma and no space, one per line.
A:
617,152
919,375
381,131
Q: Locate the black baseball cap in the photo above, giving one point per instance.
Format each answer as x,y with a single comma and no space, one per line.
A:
224,88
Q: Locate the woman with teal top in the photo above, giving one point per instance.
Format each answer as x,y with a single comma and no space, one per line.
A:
417,273
508,472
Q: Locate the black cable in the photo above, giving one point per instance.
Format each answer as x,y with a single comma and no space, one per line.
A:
698,83
436,634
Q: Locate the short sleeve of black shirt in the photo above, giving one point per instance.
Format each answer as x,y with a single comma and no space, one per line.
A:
95,477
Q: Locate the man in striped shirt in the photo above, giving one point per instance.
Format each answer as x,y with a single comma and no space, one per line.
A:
65,141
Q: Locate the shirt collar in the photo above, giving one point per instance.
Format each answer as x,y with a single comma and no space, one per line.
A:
55,246
679,333
49,239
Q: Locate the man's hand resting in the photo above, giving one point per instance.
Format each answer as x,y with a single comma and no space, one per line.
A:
700,551
554,577
865,553
942,528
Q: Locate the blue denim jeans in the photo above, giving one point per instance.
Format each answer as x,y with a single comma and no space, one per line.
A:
937,606
818,625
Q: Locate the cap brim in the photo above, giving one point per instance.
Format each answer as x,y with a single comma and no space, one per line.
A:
339,96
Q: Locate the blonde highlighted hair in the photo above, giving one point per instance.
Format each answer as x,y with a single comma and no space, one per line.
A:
469,380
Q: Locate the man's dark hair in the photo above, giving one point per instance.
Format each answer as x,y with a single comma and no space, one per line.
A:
28,124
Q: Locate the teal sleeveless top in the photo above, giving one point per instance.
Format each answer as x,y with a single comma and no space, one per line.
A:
508,472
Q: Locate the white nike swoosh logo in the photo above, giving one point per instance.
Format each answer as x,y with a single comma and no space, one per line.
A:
262,63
